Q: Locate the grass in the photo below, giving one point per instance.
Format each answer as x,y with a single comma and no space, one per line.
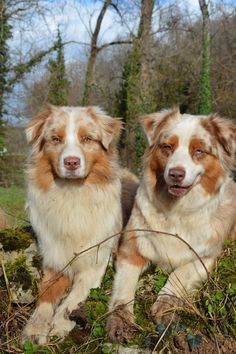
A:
12,201
209,326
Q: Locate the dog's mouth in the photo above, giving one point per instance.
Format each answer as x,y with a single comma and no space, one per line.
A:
178,190
72,174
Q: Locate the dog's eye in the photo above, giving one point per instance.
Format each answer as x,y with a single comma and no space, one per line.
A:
166,149
87,139
198,153
56,139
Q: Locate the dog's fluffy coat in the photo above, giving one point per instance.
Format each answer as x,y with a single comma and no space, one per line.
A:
74,202
186,189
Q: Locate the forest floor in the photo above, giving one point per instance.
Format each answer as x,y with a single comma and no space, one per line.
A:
206,325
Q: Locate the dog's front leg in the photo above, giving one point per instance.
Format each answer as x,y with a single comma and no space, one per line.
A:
120,324
51,290
180,284
83,282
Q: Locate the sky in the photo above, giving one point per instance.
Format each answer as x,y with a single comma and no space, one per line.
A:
76,19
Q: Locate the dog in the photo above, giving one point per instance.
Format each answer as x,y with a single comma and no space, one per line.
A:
74,202
187,194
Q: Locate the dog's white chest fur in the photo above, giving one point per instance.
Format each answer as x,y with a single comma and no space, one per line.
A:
69,219
195,228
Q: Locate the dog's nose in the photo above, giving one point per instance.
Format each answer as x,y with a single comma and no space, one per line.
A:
177,174
71,162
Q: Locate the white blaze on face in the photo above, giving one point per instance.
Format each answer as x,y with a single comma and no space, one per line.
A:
181,158
72,149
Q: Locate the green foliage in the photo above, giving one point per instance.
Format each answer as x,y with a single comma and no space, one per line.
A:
160,279
30,348
193,340
58,84
204,100
5,34
172,329
19,274
219,296
107,349
2,137
129,104
20,69
97,306
8,81
14,240
213,311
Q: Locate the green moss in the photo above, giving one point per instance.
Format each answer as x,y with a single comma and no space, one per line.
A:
215,312
37,261
18,273
14,239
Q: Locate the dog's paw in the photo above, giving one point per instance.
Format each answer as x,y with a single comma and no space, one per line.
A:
120,325
35,332
165,308
61,326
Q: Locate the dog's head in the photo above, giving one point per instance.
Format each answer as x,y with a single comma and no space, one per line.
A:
186,150
73,142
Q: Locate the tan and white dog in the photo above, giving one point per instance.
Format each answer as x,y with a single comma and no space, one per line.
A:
186,189
74,202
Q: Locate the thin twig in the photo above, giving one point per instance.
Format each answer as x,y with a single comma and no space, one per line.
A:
77,255
163,334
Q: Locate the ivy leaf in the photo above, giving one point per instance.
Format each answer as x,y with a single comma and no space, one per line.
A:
98,330
160,328
180,326
193,340
30,348
107,349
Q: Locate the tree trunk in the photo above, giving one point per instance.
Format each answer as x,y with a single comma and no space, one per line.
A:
205,103
93,55
138,89
144,35
5,34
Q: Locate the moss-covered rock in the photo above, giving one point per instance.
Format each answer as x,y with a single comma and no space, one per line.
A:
14,239
20,259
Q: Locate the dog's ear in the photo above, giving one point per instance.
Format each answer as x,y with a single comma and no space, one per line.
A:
152,123
35,127
110,127
224,131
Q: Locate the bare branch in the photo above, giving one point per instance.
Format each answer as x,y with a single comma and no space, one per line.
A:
113,43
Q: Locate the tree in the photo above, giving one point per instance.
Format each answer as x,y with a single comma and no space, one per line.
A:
205,104
5,34
11,74
135,91
95,49
58,83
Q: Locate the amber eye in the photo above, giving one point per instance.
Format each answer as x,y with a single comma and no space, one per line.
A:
166,149
198,153
56,139
87,139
